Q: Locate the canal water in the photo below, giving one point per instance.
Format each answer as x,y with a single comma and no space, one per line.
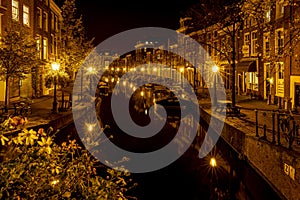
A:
192,178
189,177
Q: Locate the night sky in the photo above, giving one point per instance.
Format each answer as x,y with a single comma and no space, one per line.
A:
104,19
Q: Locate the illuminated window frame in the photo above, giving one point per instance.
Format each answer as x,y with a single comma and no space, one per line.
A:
15,10
26,15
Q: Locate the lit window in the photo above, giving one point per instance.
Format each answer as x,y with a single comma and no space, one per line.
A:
279,9
26,15
254,43
15,10
45,49
268,15
38,46
247,39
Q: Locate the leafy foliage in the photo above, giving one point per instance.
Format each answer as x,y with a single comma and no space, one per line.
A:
18,54
35,167
62,78
75,43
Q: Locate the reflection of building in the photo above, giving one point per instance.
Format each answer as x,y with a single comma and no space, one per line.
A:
42,20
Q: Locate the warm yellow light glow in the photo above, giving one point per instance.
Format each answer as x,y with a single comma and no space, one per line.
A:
106,79
142,69
155,69
213,162
271,80
90,127
91,70
181,69
215,68
124,83
124,69
55,66
142,93
118,69
54,182
112,79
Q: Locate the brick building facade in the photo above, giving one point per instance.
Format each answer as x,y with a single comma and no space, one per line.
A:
267,53
41,18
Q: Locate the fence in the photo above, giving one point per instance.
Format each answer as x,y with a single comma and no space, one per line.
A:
277,127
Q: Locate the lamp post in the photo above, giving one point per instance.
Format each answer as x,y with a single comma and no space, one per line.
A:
91,71
182,75
215,70
55,68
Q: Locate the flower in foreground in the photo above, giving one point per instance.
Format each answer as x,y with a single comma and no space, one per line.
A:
45,144
3,139
28,136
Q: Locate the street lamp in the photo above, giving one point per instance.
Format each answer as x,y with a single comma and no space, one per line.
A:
215,70
91,71
213,162
55,68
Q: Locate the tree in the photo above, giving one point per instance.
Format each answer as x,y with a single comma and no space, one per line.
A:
75,46
224,16
18,53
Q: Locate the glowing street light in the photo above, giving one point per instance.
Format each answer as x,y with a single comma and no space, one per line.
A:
215,70
271,81
213,162
91,71
55,68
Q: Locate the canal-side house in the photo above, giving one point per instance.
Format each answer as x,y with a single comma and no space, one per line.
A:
270,41
47,32
16,14
216,44
267,53
41,19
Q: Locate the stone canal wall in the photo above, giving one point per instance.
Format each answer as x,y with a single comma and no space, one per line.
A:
279,166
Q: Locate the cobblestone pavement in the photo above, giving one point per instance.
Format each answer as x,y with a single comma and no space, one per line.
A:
41,111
